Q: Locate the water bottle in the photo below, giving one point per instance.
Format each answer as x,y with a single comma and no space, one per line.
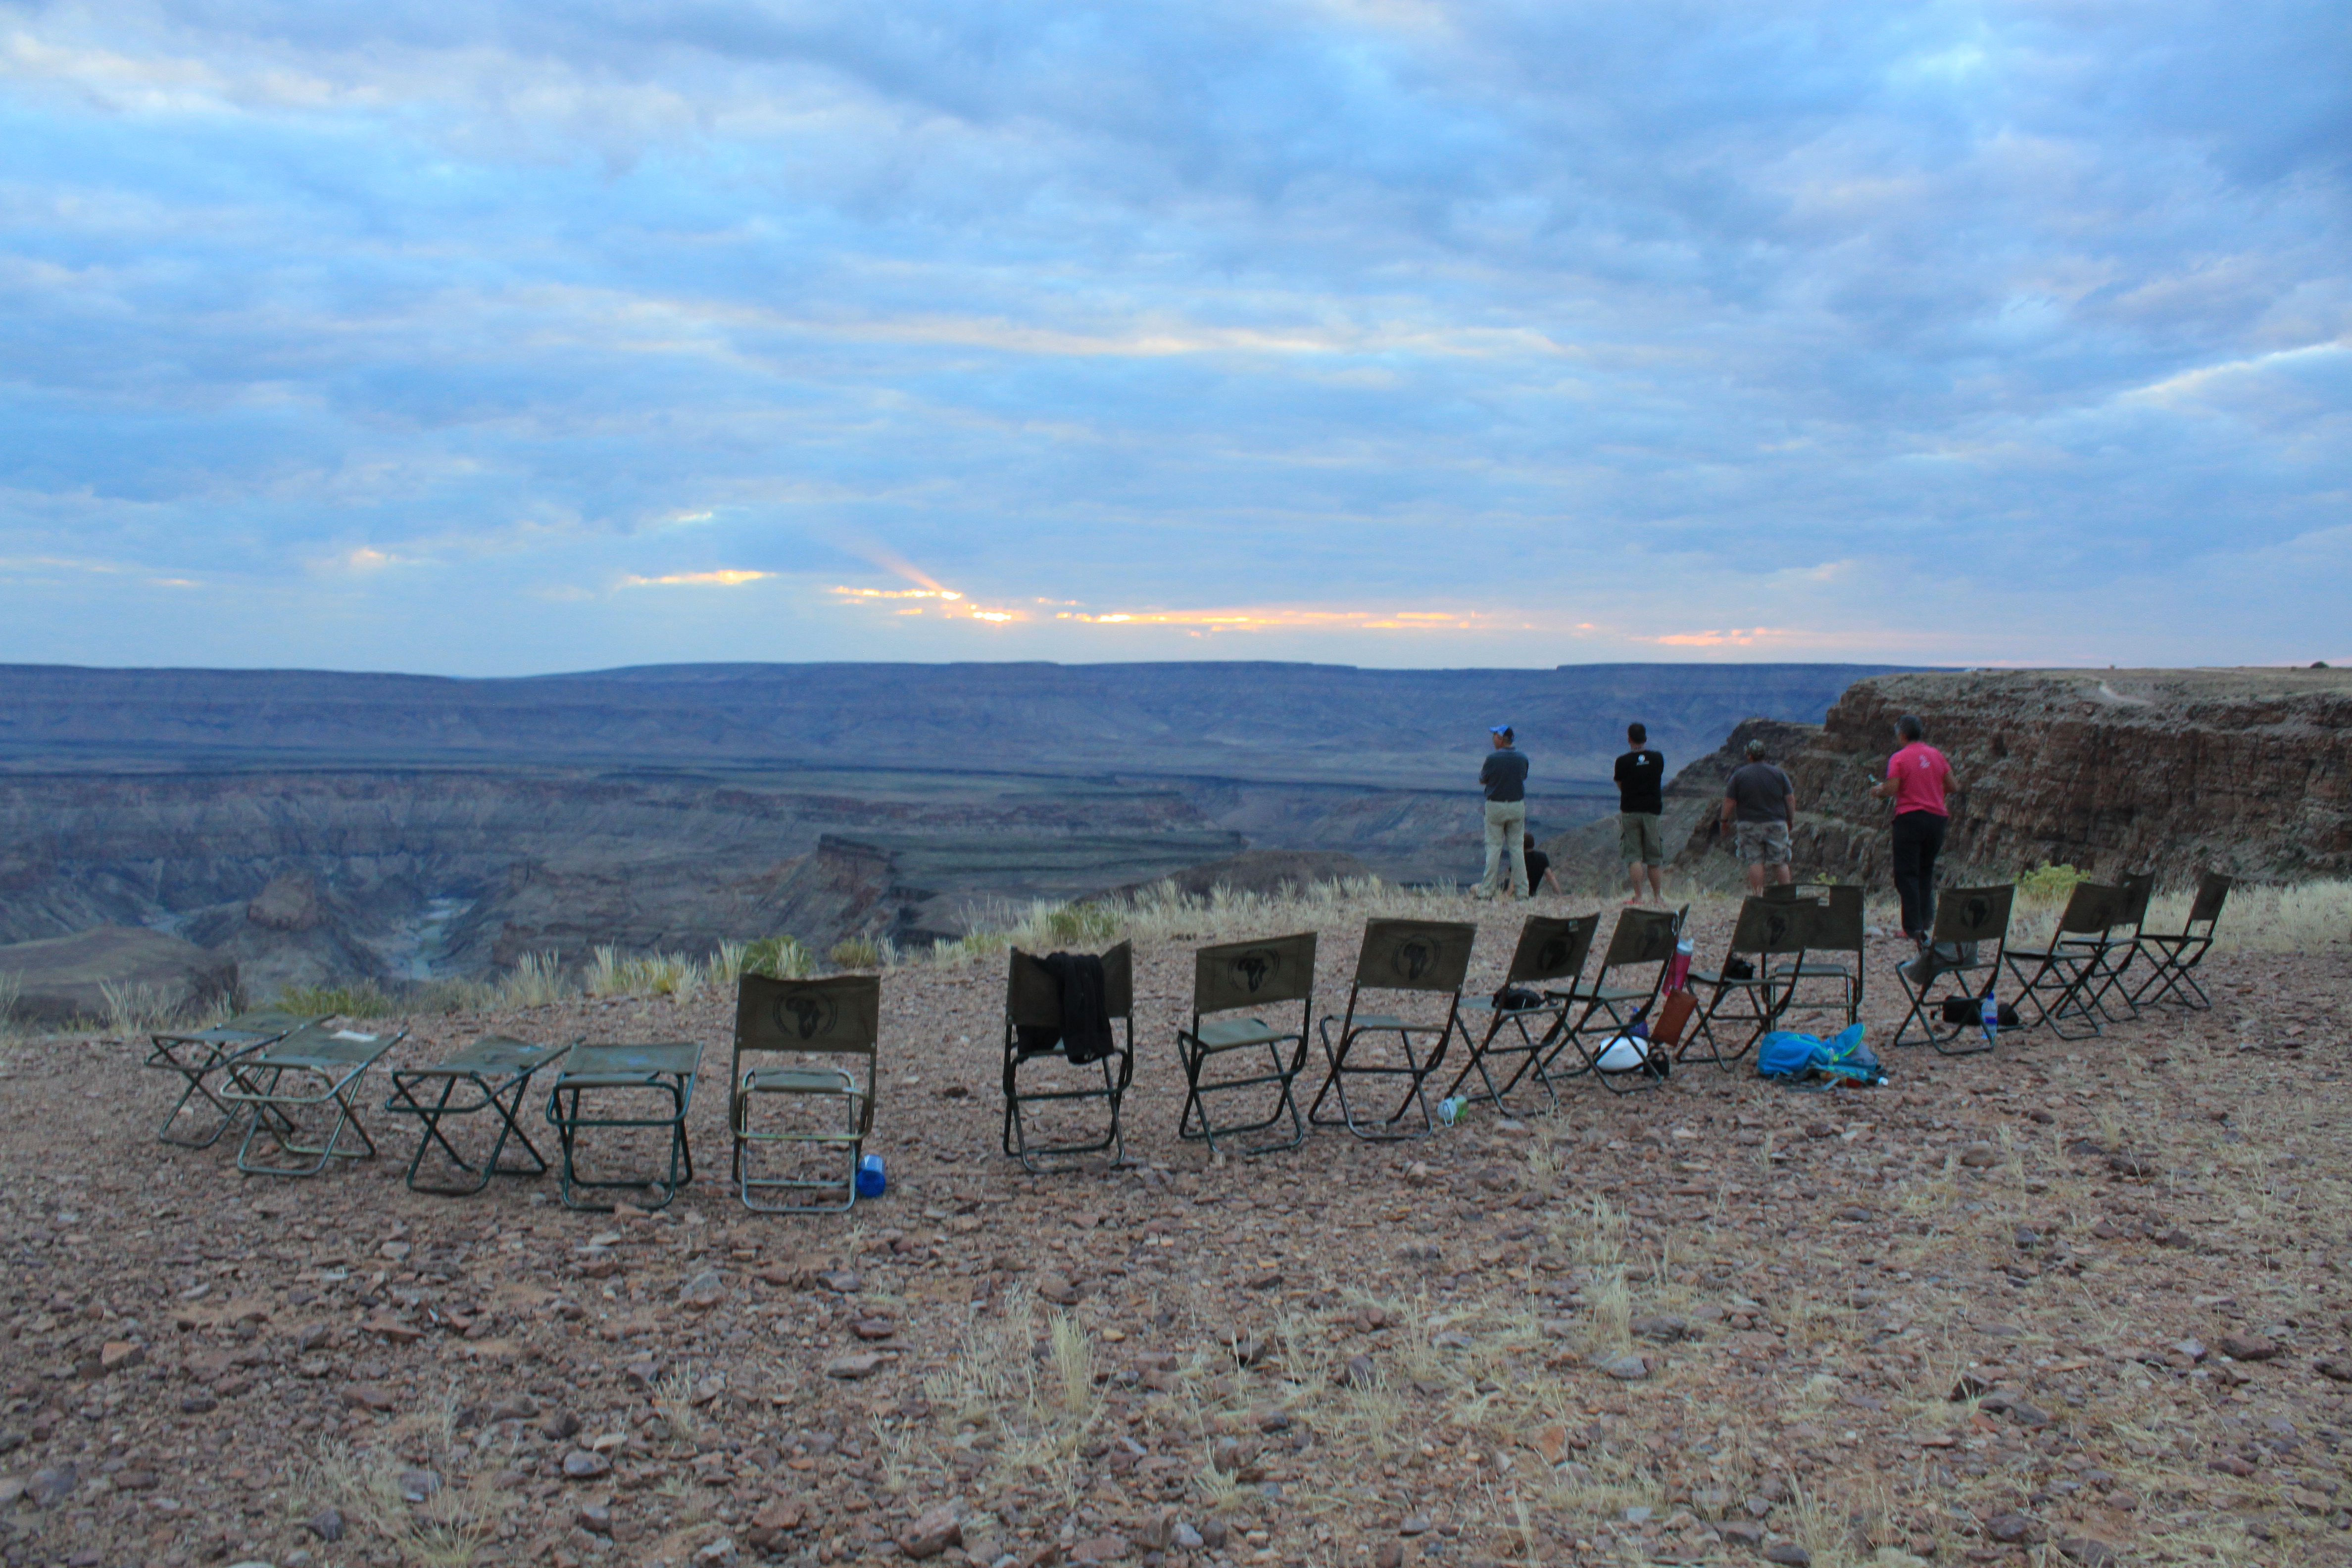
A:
1678,968
1989,1015
1449,1109
872,1182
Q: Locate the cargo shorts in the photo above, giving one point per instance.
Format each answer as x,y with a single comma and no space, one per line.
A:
1639,840
1763,843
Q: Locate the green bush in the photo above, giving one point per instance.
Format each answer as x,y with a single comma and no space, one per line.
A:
855,953
363,999
778,958
2047,884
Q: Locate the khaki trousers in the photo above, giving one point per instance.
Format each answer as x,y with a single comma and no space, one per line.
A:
1507,826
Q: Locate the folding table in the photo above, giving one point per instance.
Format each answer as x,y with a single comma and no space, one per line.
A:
662,1071
492,1074
326,1066
198,1056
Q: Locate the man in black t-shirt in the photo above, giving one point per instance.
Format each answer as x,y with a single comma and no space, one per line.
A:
1538,866
1641,802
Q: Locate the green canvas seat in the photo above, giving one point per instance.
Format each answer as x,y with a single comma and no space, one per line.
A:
1429,959
1238,1049
1604,1010
313,1069
1747,1006
1547,961
2063,981
800,1124
624,1088
1962,958
201,1055
1032,1014
493,1074
1834,946
2173,956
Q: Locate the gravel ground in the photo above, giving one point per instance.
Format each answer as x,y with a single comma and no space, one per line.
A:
2067,1302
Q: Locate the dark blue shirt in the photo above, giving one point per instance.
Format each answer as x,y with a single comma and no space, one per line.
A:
1505,775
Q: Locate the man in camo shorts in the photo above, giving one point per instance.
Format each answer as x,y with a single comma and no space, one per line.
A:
1760,806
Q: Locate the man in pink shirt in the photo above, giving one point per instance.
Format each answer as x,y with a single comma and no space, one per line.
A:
1917,778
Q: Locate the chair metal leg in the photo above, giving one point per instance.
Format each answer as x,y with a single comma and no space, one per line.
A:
270,1116
1335,1083
1193,1123
850,1143
662,1189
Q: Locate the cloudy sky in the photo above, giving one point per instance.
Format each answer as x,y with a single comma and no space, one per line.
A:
544,334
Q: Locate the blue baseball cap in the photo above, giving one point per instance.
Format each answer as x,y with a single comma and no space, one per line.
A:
1499,730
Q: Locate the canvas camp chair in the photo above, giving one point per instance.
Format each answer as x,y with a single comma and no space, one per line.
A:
780,1027
1766,930
1643,938
1235,1048
1545,966
2062,981
312,1068
493,1074
2105,987
203,1054
2174,957
1833,946
1035,1040
1400,958
622,1088
1968,922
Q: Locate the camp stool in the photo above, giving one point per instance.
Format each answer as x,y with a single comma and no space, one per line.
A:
608,1080
810,1046
1547,961
1402,958
1236,1046
2060,980
2173,957
493,1074
1971,924
198,1056
310,1068
1033,1002
1643,938
1766,930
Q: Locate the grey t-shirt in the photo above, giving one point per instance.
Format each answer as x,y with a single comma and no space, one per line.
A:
1761,791
1505,775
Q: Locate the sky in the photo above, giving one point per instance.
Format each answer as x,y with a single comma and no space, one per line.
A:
520,336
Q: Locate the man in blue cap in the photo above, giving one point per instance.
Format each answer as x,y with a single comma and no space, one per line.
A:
1504,776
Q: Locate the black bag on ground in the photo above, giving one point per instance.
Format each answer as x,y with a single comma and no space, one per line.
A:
1970,1009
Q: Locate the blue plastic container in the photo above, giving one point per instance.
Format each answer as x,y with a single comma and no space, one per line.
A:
872,1182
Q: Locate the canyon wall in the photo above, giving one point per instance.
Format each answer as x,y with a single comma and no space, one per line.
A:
2244,770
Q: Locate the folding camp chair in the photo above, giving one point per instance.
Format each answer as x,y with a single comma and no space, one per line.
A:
1546,965
1222,1055
1644,938
2062,981
198,1056
1767,929
1835,912
493,1074
1968,921
2104,988
837,1018
1408,957
2174,957
616,1076
325,1068
1034,1034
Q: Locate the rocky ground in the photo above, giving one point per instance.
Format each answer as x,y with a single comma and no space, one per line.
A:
2066,1303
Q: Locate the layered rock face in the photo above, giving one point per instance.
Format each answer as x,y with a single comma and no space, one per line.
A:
2244,770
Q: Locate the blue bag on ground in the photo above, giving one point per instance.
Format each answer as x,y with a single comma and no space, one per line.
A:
1793,1057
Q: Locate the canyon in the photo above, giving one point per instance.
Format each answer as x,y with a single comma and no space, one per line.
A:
320,827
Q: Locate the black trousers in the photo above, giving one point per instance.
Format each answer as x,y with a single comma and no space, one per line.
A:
1918,839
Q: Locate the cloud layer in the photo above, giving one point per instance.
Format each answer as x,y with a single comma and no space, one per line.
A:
532,336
